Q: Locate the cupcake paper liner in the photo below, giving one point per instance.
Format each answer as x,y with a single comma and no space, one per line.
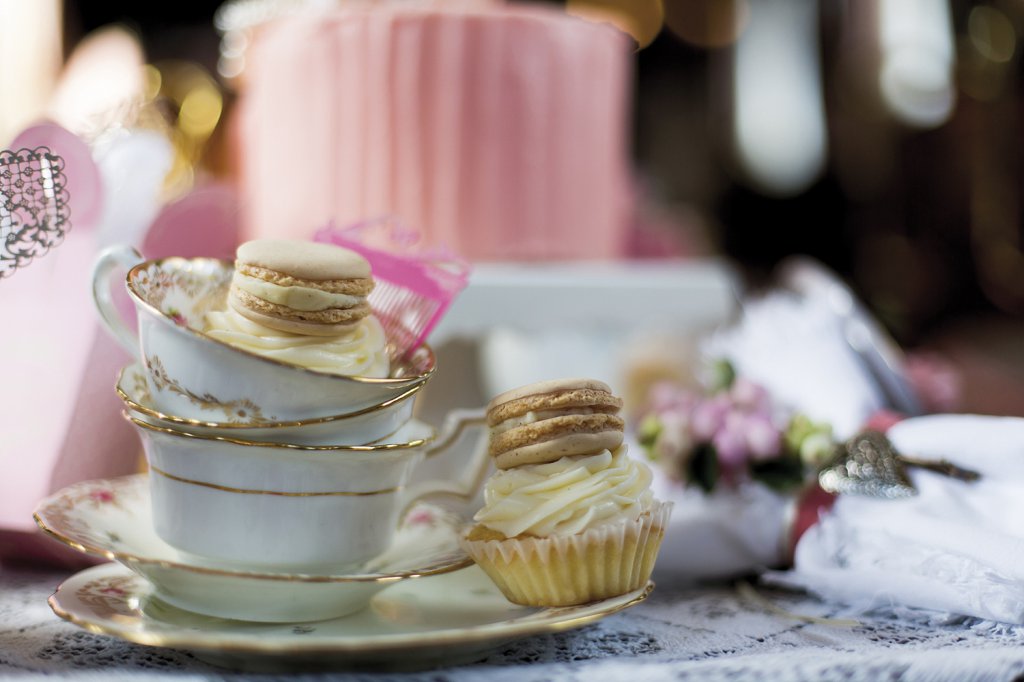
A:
564,570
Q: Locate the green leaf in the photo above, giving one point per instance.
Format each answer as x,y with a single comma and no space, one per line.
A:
723,374
648,431
704,467
781,474
801,428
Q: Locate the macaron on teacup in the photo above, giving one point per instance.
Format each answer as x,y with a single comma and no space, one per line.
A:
300,287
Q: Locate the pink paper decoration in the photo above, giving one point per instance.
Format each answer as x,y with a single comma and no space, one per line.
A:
84,185
202,223
61,418
414,287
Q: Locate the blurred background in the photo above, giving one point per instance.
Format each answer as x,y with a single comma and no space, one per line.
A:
882,137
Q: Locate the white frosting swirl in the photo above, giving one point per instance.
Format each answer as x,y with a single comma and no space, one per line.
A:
359,352
566,497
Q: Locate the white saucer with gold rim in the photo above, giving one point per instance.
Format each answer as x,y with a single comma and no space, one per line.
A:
447,620
112,518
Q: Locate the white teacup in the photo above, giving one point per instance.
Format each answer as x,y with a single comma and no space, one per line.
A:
191,374
364,426
300,508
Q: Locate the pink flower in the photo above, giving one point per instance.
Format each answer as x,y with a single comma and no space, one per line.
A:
882,420
708,417
669,397
763,439
746,393
178,318
674,444
421,517
738,423
731,448
936,381
102,495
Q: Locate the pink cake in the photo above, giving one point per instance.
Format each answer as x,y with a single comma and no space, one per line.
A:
497,130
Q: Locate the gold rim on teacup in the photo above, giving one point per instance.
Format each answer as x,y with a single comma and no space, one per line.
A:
370,447
241,426
425,353
276,493
128,558
255,532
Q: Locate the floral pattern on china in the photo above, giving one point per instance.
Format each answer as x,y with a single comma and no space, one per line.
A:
183,294
241,411
112,519
172,299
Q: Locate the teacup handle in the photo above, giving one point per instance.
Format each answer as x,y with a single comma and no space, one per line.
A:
456,426
118,256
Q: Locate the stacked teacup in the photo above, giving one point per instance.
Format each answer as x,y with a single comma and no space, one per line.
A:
277,425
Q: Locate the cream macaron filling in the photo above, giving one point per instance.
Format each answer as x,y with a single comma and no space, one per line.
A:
305,299
533,417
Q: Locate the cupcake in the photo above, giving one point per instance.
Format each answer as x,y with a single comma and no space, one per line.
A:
568,517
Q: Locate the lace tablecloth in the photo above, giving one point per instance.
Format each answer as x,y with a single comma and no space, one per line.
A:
723,632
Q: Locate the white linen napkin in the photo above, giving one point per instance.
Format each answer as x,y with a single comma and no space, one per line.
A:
795,346
720,535
956,547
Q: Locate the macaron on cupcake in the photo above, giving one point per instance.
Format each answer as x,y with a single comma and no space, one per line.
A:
568,516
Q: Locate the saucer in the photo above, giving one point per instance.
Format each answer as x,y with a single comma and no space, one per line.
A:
445,620
112,518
